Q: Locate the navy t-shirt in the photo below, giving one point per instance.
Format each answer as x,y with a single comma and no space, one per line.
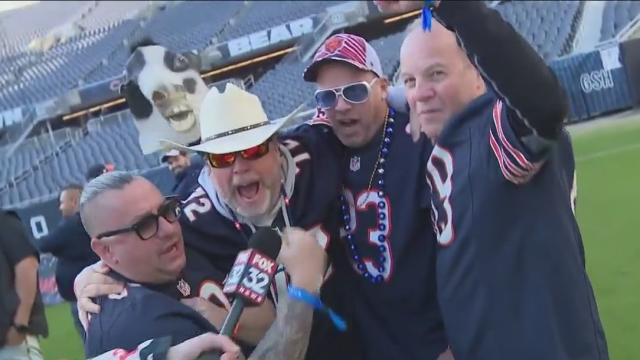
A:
399,318
142,312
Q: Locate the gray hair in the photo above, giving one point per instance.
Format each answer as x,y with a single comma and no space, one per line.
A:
115,180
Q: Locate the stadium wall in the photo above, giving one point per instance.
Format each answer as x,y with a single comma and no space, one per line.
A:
630,52
596,82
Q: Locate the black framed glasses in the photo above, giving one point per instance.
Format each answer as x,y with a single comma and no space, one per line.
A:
147,227
355,93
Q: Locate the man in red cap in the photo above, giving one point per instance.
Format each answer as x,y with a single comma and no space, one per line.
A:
384,204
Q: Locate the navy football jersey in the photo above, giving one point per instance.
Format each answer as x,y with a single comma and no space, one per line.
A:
141,312
312,185
510,269
398,318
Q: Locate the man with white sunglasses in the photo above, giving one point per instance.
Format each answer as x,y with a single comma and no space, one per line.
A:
384,204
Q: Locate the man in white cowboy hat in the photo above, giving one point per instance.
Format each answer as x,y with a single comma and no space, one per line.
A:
254,178
385,205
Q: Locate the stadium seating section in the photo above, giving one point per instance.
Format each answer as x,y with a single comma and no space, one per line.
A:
617,14
44,165
40,167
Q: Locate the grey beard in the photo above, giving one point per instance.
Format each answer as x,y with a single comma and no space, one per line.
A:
262,219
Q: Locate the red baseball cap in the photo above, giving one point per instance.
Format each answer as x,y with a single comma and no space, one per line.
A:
348,48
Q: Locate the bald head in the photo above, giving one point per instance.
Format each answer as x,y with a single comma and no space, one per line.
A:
440,80
439,38
70,200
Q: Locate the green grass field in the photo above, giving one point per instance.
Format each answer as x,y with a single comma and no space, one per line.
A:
608,168
63,341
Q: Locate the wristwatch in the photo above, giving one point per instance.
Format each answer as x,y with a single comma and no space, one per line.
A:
21,328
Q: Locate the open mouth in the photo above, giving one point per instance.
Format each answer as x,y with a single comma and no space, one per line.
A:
348,123
248,192
181,118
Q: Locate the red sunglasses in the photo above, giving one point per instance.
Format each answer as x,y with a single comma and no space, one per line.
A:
219,161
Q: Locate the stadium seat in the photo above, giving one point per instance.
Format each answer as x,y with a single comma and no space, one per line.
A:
548,25
617,14
263,15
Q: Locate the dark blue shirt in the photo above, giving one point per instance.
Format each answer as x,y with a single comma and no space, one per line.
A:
71,245
399,318
187,180
142,312
510,265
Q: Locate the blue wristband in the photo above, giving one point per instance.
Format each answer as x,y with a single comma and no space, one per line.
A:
313,300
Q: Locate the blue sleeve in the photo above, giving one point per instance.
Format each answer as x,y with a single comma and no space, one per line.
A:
69,241
54,242
139,314
314,142
318,156
567,164
537,102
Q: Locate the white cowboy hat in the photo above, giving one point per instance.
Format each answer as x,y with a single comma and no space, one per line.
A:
233,120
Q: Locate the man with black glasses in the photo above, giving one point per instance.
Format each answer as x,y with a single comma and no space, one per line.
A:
136,232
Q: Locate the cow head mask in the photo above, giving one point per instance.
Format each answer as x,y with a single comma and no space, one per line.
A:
164,91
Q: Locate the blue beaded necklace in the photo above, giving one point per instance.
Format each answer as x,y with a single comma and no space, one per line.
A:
379,169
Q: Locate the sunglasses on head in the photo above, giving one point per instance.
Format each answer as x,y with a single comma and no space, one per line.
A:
147,227
355,93
220,161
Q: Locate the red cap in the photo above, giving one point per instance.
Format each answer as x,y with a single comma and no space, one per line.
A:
348,48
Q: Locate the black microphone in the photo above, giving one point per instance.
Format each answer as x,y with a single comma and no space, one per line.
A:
249,278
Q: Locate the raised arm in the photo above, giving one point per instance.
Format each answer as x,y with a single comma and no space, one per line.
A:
536,102
288,336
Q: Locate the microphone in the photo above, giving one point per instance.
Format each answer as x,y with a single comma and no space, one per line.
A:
249,279
251,275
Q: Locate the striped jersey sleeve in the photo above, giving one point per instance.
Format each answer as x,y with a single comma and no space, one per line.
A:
517,164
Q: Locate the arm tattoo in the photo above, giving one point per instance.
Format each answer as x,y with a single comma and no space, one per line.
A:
288,336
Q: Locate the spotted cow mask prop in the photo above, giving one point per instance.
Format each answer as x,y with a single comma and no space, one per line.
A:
164,91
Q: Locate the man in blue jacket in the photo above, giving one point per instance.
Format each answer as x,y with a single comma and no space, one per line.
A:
70,244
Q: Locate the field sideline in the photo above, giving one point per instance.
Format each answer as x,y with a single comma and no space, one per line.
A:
608,170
